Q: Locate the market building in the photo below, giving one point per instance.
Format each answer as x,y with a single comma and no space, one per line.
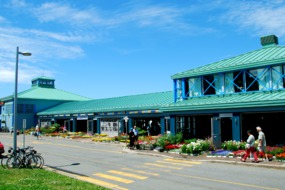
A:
221,101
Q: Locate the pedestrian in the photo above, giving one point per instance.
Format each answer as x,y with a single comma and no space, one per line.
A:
136,133
64,129
250,148
148,130
132,138
38,131
261,143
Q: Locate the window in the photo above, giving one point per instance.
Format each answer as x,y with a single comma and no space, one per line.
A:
20,108
251,80
219,83
208,84
186,87
29,108
277,77
238,81
229,83
194,86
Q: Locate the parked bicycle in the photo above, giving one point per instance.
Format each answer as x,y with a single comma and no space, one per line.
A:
23,158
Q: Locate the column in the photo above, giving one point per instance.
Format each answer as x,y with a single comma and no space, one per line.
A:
162,125
74,124
98,126
172,125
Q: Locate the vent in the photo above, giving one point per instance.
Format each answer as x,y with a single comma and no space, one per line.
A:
269,40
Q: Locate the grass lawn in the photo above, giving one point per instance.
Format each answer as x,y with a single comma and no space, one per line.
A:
40,179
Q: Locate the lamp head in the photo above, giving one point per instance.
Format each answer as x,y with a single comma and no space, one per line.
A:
25,53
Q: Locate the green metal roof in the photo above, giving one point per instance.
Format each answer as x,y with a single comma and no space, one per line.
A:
47,94
242,100
267,55
125,103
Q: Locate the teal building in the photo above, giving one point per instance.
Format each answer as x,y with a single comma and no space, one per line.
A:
221,100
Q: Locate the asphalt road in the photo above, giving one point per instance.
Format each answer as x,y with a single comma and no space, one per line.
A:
107,165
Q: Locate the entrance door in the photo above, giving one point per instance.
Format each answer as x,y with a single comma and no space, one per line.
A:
226,129
222,130
216,132
90,127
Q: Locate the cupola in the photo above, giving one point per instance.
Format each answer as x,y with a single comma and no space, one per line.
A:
269,40
43,82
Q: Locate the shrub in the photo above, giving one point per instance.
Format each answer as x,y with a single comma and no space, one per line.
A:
232,145
194,148
184,148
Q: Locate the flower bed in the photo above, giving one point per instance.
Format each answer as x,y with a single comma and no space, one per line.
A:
238,153
280,157
221,153
274,150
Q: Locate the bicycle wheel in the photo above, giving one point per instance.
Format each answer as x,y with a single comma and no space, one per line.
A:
13,162
3,161
40,161
32,161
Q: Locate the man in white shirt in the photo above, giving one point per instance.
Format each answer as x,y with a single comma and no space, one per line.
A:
261,142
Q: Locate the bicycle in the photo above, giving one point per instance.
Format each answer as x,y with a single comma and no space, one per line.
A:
21,158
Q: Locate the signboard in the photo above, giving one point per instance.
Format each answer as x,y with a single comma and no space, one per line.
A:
82,117
226,115
110,127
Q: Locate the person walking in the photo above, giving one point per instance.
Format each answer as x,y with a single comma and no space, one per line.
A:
136,134
132,139
261,143
38,131
250,148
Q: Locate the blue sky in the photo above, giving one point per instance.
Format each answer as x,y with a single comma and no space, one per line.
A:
109,48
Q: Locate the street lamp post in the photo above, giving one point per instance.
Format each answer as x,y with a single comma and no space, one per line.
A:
16,96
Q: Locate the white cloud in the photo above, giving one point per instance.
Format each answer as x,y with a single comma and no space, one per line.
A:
143,16
64,37
18,3
42,46
258,17
55,12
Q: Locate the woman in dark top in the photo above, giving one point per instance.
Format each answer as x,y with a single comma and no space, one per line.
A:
132,138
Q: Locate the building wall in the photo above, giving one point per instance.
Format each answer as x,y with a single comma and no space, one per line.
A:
7,112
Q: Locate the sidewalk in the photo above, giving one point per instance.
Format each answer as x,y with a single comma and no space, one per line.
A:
202,158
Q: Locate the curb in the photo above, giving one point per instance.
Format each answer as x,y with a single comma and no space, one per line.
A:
280,167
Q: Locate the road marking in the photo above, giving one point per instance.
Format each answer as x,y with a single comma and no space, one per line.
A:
162,166
151,168
140,171
127,174
226,182
119,179
179,164
182,161
101,183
